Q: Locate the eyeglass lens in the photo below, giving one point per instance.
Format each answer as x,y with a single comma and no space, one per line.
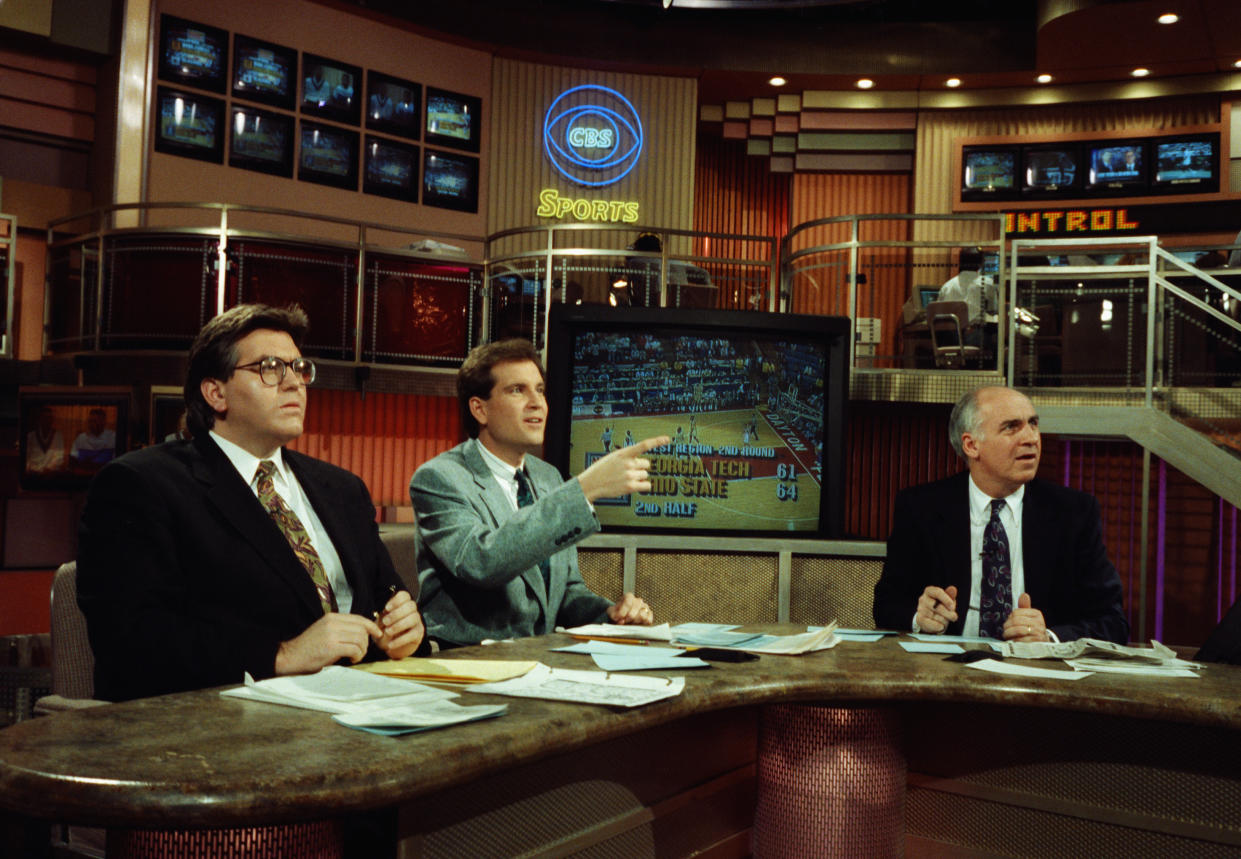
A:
271,370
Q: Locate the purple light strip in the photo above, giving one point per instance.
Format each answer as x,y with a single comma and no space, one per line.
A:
1160,538
1232,585
1068,457
1219,565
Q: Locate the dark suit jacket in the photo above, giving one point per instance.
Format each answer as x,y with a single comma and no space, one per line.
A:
478,558
185,580
1067,571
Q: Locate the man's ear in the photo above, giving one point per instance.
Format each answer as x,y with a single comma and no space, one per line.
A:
213,392
478,409
969,445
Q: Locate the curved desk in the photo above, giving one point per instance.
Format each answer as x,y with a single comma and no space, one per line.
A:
198,760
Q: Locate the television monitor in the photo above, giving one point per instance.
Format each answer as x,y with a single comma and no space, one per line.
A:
189,125
262,141
754,404
68,434
453,119
988,172
391,169
192,54
1186,164
1048,171
264,72
1117,166
331,89
393,105
927,294
328,156
449,181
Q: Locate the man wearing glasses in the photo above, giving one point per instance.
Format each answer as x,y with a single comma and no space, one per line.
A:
226,553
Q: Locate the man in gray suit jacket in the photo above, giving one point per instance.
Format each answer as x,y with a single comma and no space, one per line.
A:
497,526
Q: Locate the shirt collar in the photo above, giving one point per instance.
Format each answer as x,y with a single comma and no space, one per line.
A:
497,466
246,463
980,502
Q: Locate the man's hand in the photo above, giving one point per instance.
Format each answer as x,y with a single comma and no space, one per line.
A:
937,607
631,609
620,472
1025,623
401,626
326,641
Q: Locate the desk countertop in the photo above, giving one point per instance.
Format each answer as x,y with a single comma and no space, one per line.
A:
196,759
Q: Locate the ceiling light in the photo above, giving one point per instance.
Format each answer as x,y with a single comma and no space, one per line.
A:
1044,78
777,81
1140,73
952,82
865,83
1169,18
1237,64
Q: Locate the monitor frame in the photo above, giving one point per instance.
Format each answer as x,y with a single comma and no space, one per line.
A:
1136,187
305,173
383,189
1190,186
411,130
217,83
469,102
172,146
283,167
345,114
444,201
272,99
832,332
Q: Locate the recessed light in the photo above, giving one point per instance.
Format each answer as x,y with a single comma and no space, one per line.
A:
1237,64
1140,73
777,81
952,82
1169,18
865,83
1044,78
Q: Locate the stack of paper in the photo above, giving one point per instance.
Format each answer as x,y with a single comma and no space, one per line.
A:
452,671
611,656
587,687
1091,654
368,701
787,645
608,631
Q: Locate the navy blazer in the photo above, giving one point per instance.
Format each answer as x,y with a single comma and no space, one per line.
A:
1066,568
478,558
185,580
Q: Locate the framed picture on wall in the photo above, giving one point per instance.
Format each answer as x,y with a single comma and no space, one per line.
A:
390,169
261,140
264,72
330,89
192,54
450,181
454,119
393,105
68,434
328,155
189,125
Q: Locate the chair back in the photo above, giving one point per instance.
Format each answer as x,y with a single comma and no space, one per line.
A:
947,321
73,662
400,539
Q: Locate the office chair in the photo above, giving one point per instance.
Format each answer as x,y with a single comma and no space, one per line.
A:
948,321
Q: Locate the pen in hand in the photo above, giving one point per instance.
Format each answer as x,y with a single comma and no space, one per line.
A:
391,594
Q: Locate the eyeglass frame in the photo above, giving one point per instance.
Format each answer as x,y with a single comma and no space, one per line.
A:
283,366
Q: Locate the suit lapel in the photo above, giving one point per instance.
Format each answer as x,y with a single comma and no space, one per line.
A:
234,502
498,506
1039,536
324,494
953,528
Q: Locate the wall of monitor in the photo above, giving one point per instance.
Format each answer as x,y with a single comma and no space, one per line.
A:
290,110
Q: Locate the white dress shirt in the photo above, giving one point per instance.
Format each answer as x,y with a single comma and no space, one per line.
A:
1010,518
505,474
285,483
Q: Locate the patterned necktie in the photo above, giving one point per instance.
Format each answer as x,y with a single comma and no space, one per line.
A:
293,530
997,576
524,499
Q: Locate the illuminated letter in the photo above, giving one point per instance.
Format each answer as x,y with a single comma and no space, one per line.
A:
547,203
631,213
599,211
1052,220
1027,222
1076,221
577,136
1101,219
1123,222
614,210
563,205
1008,222
581,209
605,138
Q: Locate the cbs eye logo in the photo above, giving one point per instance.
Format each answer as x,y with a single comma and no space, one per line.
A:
592,135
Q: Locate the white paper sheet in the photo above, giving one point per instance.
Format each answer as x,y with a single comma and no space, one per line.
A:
1025,671
587,687
931,647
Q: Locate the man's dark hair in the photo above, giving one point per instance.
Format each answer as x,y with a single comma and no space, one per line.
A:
214,353
969,260
474,379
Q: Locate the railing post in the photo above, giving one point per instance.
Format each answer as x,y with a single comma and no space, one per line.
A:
360,303
221,263
853,273
1151,299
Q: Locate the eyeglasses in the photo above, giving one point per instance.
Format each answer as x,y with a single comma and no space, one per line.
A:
271,369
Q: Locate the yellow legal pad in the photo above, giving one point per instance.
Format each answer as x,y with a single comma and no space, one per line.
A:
458,671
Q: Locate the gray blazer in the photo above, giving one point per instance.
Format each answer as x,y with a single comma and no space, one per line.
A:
478,558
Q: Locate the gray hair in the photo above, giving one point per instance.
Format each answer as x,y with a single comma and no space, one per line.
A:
964,419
